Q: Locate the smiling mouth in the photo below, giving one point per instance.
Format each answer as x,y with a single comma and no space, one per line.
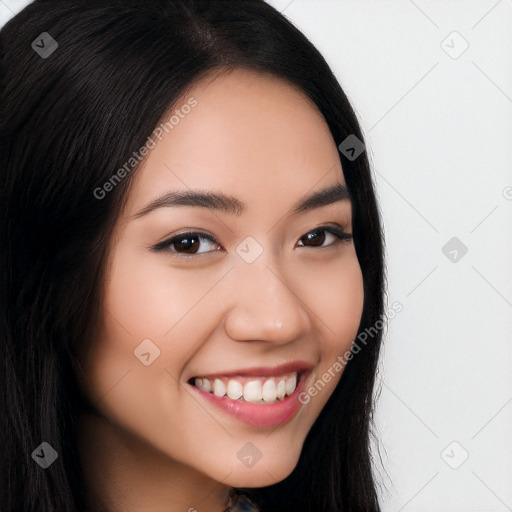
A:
253,389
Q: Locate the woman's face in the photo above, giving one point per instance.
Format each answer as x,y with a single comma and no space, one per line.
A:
258,285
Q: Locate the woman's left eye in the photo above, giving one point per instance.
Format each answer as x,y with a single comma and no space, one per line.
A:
187,244
313,236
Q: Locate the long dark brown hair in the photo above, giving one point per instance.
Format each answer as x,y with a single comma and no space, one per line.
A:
68,123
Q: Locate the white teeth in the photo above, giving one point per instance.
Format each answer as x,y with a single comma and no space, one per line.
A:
235,389
207,385
268,391
218,388
260,390
291,384
281,389
252,391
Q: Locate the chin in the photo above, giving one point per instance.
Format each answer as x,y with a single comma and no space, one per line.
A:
263,473
257,479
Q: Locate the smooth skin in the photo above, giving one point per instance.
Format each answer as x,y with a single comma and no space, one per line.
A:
154,446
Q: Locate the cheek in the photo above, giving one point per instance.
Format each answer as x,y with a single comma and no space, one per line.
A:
339,299
151,299
140,306
338,305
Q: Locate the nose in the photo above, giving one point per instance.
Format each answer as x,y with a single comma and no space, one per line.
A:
264,306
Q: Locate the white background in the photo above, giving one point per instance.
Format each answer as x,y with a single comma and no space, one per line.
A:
438,127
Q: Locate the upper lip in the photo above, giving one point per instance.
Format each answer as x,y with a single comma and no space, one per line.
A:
263,371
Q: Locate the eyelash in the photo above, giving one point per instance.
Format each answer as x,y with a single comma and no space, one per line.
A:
164,246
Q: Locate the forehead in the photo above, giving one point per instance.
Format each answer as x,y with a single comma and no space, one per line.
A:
249,134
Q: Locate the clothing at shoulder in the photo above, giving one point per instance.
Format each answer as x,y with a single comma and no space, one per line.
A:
241,504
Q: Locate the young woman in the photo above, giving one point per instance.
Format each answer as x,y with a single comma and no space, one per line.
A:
190,246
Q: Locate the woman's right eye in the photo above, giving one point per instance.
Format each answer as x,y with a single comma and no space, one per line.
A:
185,245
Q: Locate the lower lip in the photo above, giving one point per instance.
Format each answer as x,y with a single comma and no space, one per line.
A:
259,415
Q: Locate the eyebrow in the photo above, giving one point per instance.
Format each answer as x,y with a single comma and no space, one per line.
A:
233,206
